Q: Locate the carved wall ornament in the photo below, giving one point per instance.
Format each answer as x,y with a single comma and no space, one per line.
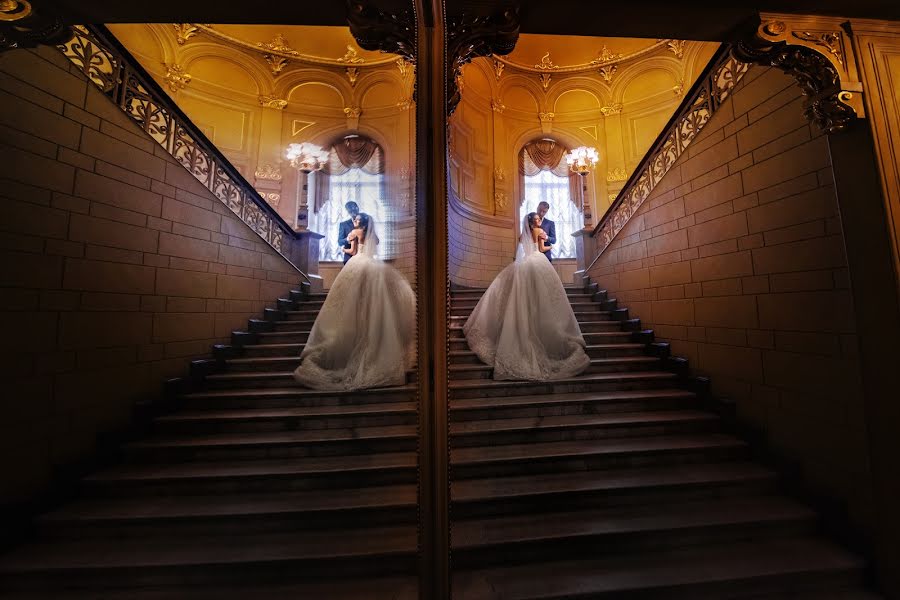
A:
272,198
498,68
176,77
678,88
272,102
613,109
352,75
546,63
546,119
473,36
404,104
607,72
268,172
353,111
500,200
831,103
617,174
497,106
830,41
351,56
279,45
605,56
184,32
276,63
676,47
499,175
612,197
374,29
404,65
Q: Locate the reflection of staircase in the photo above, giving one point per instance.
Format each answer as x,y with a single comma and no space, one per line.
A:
253,486
618,483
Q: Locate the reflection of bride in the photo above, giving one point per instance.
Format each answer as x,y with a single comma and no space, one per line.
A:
365,333
524,325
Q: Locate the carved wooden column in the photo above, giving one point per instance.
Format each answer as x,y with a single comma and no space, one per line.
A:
23,25
822,55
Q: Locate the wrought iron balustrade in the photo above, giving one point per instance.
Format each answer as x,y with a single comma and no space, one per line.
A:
714,85
118,75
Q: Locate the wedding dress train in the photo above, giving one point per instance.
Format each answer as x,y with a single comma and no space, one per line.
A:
364,335
524,325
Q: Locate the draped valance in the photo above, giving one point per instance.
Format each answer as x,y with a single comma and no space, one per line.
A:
548,155
351,152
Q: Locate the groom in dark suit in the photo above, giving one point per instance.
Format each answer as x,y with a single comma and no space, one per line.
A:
548,226
346,227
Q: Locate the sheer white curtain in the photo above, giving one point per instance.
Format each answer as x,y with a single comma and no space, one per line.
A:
554,190
365,189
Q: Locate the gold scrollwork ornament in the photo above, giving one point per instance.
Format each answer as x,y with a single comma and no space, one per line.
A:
14,10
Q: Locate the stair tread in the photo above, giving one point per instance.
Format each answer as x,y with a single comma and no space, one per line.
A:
251,414
293,391
622,346
594,361
470,533
579,420
706,564
511,486
224,505
210,550
550,399
255,468
591,378
271,438
538,450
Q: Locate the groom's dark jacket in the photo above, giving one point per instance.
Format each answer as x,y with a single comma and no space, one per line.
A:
343,231
550,227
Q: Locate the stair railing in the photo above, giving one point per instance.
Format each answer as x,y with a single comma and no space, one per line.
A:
103,60
718,79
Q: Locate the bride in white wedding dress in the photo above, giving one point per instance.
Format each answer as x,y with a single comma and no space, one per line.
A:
524,325
364,335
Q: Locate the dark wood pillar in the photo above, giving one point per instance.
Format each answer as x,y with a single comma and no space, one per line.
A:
874,285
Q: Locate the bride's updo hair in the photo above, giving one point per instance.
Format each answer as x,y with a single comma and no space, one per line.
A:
530,218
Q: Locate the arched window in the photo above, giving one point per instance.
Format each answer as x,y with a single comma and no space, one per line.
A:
544,175
355,171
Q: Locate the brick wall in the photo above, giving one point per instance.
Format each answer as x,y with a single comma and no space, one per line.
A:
117,268
737,259
477,250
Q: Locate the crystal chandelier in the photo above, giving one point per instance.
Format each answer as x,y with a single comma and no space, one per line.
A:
582,159
306,157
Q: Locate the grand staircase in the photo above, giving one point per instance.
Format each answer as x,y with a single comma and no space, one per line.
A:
248,487
619,483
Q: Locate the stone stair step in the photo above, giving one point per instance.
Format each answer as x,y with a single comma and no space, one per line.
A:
584,455
261,379
293,397
595,382
717,571
613,329
284,337
660,485
464,356
620,529
461,314
568,404
287,419
497,432
196,560
260,350
198,478
598,365
233,513
271,445
300,315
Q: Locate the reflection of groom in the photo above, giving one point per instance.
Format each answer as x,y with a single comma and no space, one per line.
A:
346,227
548,226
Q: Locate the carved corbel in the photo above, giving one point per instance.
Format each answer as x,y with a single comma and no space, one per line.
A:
21,26
472,36
818,54
375,29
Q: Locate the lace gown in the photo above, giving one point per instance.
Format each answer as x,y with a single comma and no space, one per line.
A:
524,325
364,336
